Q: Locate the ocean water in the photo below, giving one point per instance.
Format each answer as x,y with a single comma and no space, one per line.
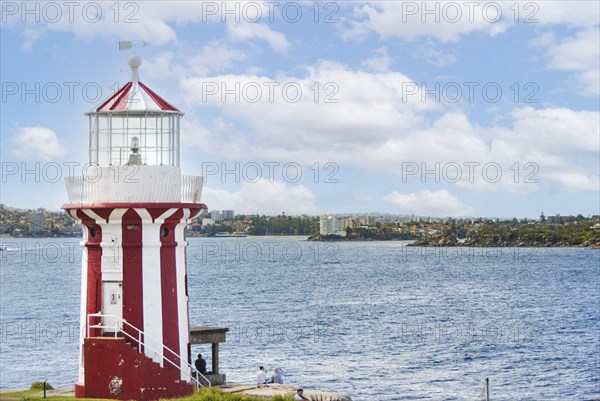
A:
376,320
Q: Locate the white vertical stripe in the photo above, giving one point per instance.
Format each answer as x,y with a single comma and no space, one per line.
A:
152,285
151,288
84,295
182,299
112,246
83,311
111,263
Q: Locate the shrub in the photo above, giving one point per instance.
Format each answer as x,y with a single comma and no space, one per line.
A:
40,386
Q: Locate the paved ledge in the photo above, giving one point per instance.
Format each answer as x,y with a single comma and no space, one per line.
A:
270,390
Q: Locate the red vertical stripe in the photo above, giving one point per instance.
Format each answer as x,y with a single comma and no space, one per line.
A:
94,268
133,303
168,275
193,213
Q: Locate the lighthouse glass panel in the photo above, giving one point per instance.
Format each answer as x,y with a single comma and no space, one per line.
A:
111,135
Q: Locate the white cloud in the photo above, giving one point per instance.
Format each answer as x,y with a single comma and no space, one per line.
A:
574,181
426,202
582,55
244,31
36,143
215,56
153,21
380,62
573,13
433,56
263,197
162,65
31,36
553,131
448,21
353,110
410,20
374,128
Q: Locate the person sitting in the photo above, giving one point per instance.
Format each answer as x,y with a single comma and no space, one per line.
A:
200,364
300,395
278,376
261,375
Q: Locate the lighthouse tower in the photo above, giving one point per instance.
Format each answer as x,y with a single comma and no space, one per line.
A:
133,205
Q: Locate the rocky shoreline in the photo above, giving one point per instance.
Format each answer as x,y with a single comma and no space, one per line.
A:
502,241
493,241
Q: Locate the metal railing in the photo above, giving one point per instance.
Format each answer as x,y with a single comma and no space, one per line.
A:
118,328
191,188
148,188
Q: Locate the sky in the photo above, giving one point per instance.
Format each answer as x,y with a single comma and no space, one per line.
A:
444,109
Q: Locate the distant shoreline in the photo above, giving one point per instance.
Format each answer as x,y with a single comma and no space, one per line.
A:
441,243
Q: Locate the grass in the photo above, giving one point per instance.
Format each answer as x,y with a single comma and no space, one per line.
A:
204,394
35,394
215,394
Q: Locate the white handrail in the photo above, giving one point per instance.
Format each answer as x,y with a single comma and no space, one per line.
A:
141,343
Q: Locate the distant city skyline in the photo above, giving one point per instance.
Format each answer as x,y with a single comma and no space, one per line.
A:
454,109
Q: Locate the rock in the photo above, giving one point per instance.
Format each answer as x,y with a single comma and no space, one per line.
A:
271,390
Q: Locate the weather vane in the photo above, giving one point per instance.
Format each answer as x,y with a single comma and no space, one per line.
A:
129,45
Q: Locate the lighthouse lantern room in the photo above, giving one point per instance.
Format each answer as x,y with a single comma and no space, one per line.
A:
133,204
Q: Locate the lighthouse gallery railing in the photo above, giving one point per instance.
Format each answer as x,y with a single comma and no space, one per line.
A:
140,334
167,189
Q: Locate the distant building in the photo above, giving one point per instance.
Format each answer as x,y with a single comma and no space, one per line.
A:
366,221
37,221
216,215
208,222
349,223
331,225
227,214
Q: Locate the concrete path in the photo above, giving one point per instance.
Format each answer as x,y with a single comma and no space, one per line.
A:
269,390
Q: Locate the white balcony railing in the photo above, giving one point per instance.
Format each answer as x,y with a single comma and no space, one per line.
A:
145,184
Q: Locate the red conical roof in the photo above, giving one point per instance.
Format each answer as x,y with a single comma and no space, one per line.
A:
135,96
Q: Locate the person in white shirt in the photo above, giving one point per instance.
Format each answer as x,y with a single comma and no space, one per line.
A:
261,375
299,395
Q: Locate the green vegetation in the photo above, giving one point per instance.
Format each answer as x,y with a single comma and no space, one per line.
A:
555,232
548,234
214,394
258,225
204,394
40,386
37,395
283,225
17,224
378,232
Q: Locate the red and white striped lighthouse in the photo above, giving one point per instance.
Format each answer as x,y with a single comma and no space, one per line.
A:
134,204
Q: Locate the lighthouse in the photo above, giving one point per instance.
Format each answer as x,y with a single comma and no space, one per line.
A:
133,204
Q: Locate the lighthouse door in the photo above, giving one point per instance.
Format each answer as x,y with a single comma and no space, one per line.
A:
112,305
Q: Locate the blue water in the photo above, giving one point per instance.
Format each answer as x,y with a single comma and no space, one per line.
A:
376,320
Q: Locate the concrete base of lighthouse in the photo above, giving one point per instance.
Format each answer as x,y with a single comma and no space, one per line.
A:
117,370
